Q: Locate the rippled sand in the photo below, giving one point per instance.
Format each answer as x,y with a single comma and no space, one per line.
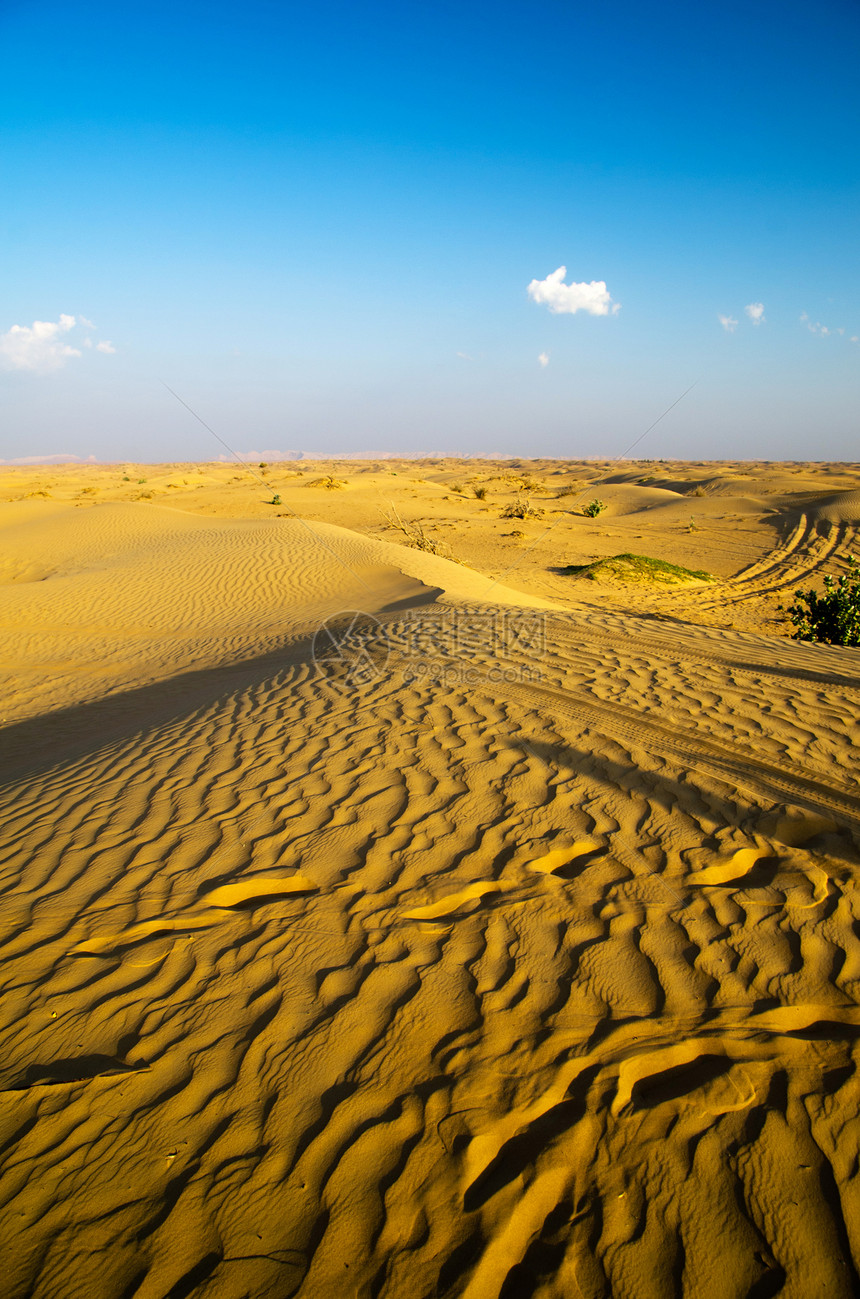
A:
501,941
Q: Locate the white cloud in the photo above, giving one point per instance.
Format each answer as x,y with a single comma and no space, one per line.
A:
567,299
755,311
38,347
45,345
543,360
728,323
464,356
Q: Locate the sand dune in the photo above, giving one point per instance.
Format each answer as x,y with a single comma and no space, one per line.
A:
842,508
122,595
491,945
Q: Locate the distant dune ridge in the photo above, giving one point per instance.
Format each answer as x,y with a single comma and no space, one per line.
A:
379,923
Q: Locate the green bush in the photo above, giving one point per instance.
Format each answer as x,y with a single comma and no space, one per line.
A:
593,508
832,617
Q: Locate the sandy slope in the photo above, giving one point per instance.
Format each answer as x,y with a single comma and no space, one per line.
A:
511,950
120,595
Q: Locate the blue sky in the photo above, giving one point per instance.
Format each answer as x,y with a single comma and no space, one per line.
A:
319,224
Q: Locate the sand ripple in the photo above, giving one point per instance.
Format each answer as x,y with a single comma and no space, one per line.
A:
473,980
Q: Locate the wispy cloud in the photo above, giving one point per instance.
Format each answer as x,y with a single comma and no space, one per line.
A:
543,360
567,299
106,347
464,356
728,323
825,331
44,346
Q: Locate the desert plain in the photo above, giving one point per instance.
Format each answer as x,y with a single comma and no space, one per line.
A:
404,896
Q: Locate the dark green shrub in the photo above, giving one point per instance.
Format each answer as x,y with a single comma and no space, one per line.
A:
832,617
593,508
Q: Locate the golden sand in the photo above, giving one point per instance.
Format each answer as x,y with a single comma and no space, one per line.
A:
380,922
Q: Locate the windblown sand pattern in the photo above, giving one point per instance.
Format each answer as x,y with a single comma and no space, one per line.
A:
514,950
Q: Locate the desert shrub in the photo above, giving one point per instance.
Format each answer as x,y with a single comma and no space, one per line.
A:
414,534
456,487
331,483
480,493
521,508
832,617
417,538
276,500
593,508
570,489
